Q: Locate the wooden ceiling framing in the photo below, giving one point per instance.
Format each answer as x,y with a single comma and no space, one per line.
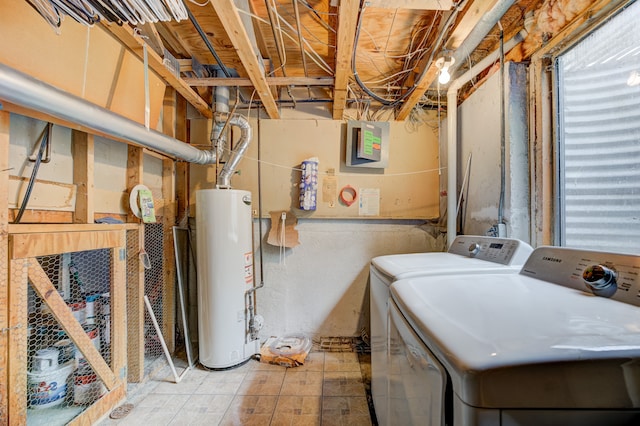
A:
273,46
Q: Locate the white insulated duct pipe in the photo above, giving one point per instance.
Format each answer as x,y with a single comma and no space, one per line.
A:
452,130
479,32
25,91
224,178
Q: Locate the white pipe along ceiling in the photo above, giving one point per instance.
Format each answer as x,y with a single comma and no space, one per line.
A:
25,91
488,21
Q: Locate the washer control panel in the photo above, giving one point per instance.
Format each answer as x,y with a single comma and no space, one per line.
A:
506,251
612,275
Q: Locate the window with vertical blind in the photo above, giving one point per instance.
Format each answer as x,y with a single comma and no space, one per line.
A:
598,95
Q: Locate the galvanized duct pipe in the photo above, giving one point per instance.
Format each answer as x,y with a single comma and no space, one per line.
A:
23,90
452,130
224,178
218,133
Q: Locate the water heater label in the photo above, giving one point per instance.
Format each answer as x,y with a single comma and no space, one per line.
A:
248,268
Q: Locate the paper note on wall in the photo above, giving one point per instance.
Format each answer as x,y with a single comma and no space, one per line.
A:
329,190
369,204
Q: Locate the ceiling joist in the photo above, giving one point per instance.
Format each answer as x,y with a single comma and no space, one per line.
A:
232,23
126,35
474,13
271,81
347,22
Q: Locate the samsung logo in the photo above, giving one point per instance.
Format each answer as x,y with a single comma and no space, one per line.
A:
551,259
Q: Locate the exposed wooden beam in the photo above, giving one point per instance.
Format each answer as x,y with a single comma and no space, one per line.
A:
271,81
232,23
347,22
4,251
17,342
169,124
476,10
154,40
125,34
474,13
135,172
83,175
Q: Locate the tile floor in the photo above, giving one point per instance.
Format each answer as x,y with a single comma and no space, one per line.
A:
331,388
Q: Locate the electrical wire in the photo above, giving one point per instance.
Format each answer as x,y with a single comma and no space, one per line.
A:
324,24
45,139
317,60
436,46
297,169
502,132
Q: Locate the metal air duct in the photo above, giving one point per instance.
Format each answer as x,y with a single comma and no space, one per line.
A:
224,178
23,90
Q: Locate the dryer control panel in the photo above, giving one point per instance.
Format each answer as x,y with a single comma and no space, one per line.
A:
612,275
506,251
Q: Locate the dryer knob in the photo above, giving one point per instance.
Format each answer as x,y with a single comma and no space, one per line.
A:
600,278
474,248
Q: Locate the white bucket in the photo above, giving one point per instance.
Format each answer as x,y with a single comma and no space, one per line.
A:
45,360
49,388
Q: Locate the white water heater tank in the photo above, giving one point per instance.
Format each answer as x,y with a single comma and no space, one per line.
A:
225,272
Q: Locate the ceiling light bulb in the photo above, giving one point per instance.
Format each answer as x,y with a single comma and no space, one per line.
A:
444,76
443,63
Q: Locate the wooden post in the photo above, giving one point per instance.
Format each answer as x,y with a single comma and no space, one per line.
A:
18,323
169,268
135,171
135,278
83,176
4,266
118,312
182,167
168,221
135,307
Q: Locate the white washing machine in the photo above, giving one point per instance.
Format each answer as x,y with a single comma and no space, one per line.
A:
479,254
556,344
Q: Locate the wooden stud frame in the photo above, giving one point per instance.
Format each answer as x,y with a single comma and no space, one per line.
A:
4,279
24,271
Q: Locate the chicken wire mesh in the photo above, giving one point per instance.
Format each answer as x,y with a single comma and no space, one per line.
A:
60,381
154,289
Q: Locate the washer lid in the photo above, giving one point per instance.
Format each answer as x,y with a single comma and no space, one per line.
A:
515,341
468,252
395,264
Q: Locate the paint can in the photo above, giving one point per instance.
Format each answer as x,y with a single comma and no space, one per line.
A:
105,318
78,309
94,335
87,388
67,350
48,388
90,309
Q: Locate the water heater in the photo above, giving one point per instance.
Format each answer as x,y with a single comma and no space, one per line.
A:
225,273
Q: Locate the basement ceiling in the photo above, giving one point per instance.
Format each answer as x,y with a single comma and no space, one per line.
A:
379,54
